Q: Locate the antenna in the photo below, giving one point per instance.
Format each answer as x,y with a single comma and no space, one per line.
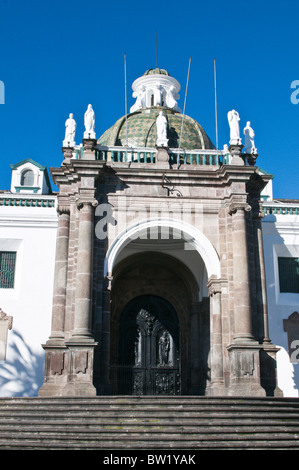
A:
184,104
126,106
156,50
215,87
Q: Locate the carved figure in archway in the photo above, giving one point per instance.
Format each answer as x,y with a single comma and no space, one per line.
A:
164,347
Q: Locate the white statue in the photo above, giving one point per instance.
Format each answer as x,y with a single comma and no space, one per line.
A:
249,139
140,101
161,124
89,122
233,120
70,130
171,98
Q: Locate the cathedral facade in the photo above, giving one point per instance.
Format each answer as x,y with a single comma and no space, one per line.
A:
159,277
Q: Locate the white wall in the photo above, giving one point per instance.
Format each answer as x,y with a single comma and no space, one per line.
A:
281,238
31,231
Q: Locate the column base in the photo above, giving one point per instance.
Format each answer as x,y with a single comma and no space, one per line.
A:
69,369
245,375
78,390
216,389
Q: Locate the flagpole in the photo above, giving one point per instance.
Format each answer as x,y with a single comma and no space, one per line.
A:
215,88
126,105
184,104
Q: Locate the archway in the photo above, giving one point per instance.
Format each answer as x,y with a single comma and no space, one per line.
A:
160,275
147,273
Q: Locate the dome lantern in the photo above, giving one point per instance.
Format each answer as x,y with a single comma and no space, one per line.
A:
155,88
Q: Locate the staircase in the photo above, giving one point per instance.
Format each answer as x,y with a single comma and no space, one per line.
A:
149,423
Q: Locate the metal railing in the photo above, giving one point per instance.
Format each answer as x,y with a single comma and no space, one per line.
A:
148,155
279,209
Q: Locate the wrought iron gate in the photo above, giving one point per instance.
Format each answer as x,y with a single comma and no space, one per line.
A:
149,349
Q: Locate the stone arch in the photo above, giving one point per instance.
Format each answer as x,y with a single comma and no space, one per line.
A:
189,233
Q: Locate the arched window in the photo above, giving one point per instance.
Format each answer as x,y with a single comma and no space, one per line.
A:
27,178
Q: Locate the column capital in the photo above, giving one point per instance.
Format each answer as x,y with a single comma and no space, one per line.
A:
216,286
63,209
81,202
258,210
236,206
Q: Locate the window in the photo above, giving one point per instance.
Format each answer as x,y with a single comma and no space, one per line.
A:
289,275
7,269
27,178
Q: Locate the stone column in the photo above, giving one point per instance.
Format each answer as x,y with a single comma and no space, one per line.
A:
263,276
245,376
60,276
217,376
81,344
242,303
82,319
55,350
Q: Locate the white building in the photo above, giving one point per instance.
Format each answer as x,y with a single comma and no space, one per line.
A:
28,223
281,251
28,227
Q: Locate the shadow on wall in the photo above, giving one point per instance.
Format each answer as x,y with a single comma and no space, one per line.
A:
21,374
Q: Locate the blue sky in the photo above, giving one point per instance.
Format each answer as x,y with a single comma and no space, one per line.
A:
57,57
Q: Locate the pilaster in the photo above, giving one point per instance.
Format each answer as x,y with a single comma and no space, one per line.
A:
216,387
55,349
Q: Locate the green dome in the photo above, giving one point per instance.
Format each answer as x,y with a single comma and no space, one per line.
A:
141,131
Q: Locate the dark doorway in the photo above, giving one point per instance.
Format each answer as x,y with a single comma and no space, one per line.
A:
148,353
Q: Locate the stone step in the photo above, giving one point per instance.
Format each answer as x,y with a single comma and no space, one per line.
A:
149,423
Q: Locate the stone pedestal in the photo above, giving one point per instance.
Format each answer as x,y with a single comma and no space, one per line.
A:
245,370
162,158
236,157
80,374
56,369
89,149
67,153
251,158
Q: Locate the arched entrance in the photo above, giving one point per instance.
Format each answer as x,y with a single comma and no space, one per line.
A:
153,275
149,350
